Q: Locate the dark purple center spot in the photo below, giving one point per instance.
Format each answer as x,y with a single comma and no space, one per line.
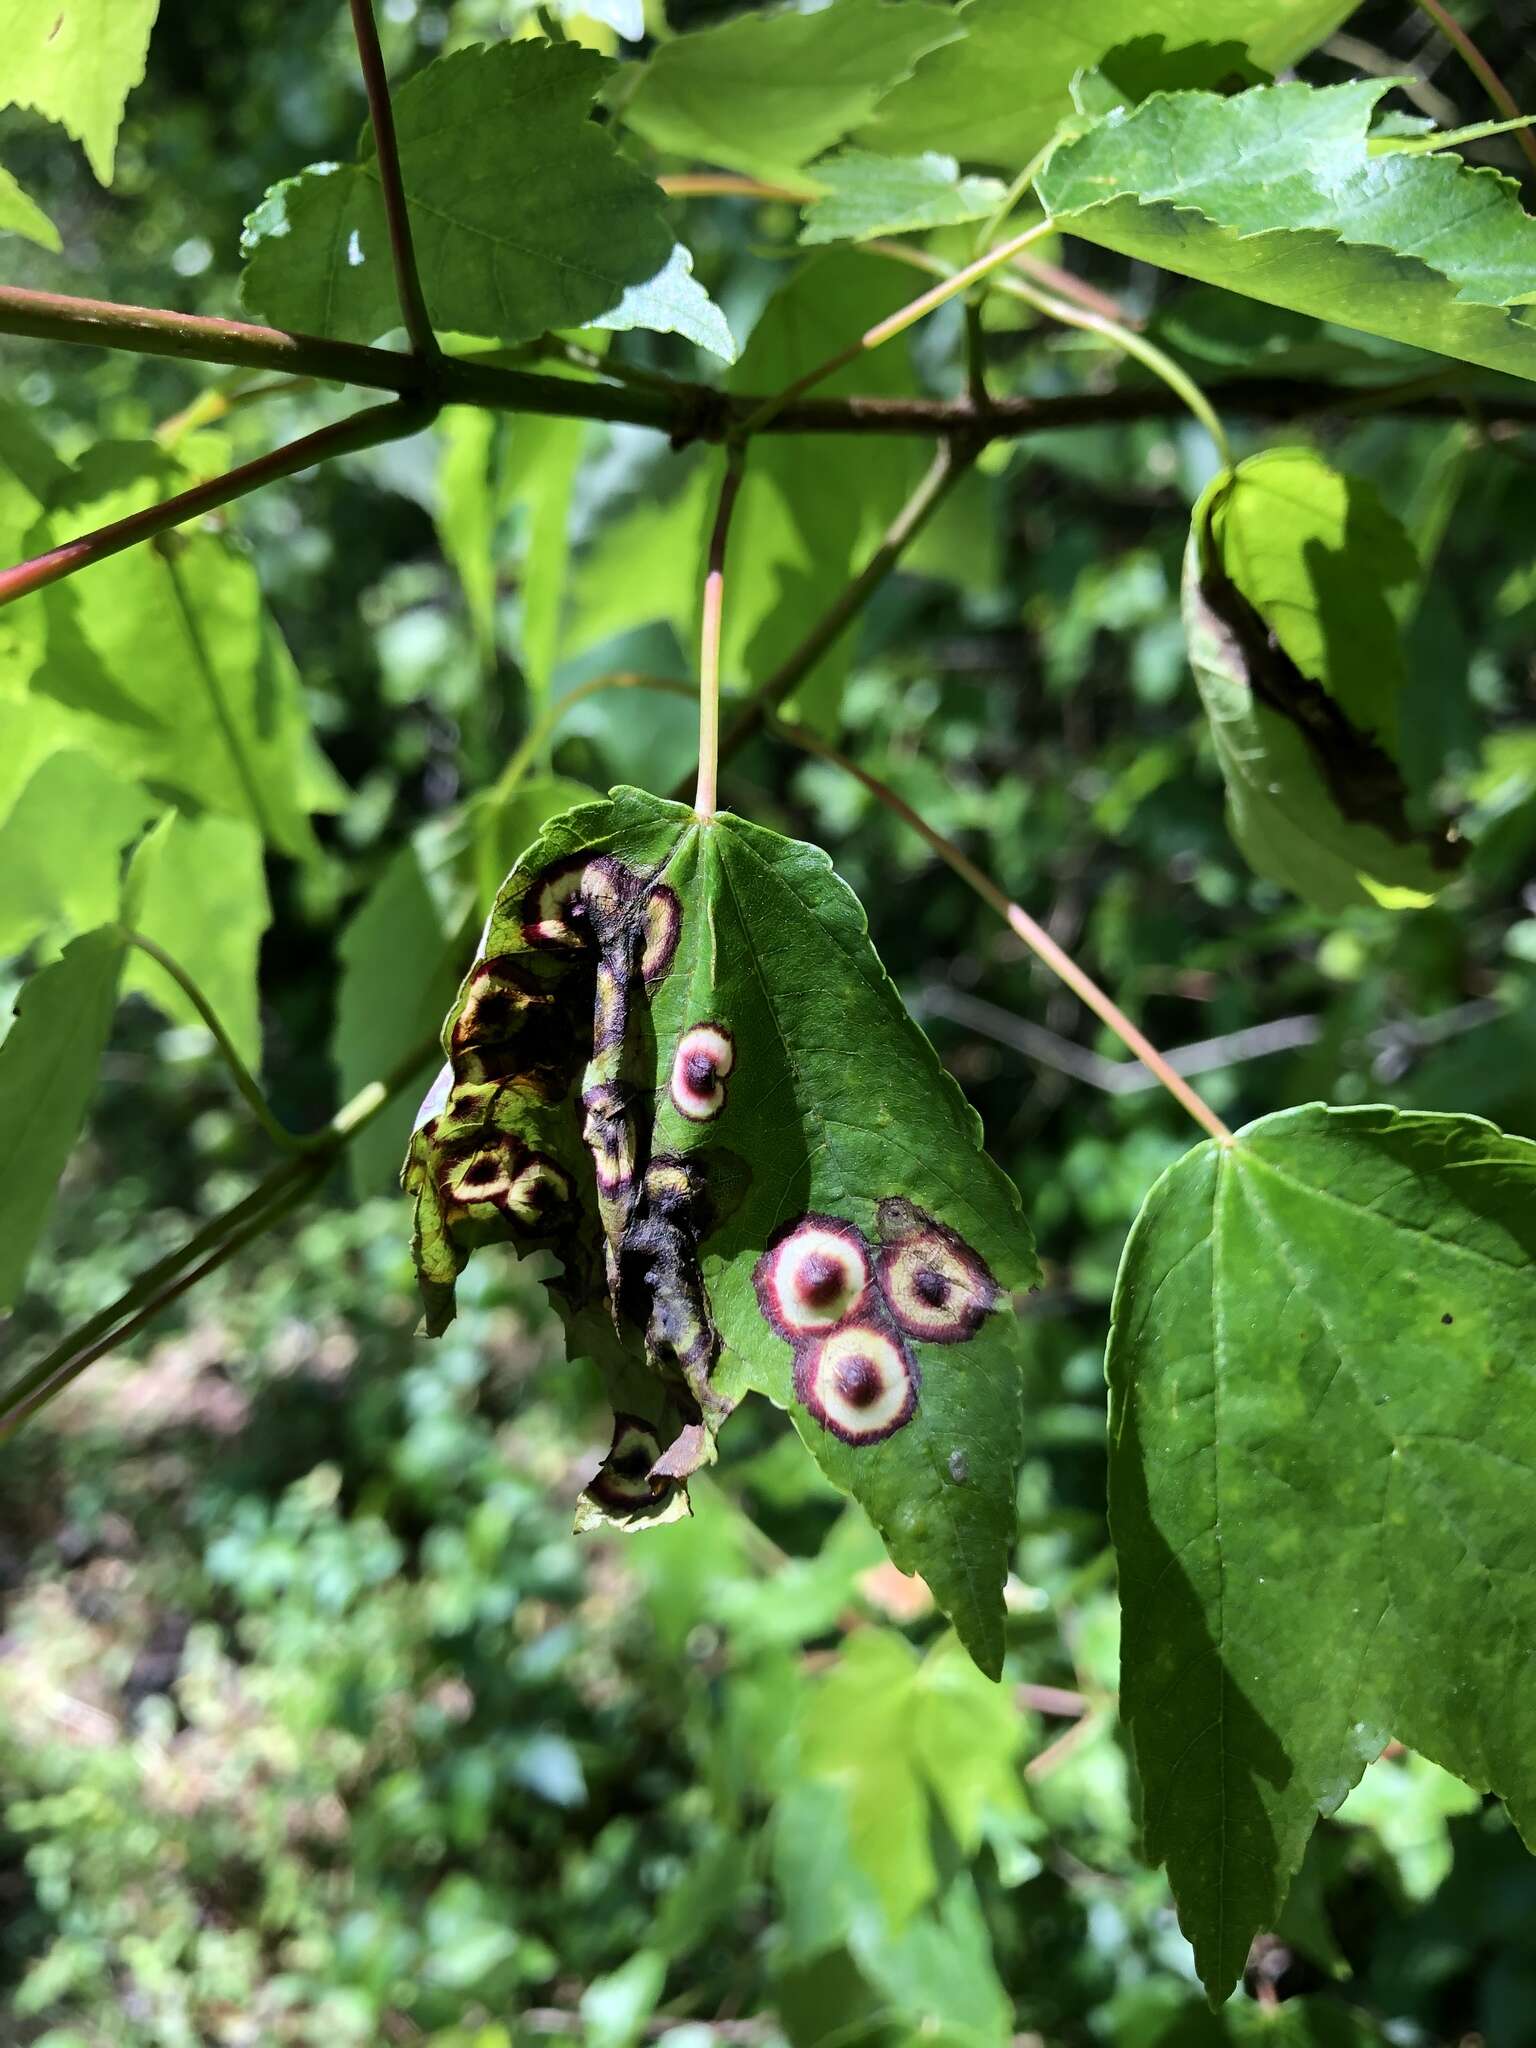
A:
858,1381
930,1286
819,1280
479,1171
699,1072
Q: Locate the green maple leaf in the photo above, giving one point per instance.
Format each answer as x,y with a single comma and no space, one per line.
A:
1322,1449
754,1171
523,213
1276,193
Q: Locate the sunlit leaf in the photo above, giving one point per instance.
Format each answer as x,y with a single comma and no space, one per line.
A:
75,62
1276,193
679,1066
20,215
217,716
1322,1447
61,846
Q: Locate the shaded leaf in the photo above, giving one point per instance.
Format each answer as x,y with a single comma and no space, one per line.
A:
48,1065
808,511
561,231
465,511
503,825
1276,193
401,953
1322,1450
198,888
75,62
996,95
1296,654
864,195
679,1066
767,92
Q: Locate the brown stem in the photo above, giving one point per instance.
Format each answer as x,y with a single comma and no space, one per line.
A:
688,411
1039,941
362,430
413,304
1481,69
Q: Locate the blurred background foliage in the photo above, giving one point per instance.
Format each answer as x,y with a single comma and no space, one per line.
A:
316,1725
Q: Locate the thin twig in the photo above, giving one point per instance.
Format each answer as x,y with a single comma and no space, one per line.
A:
413,304
541,731
17,1410
1133,344
1072,313
362,430
240,1073
1039,941
730,185
896,323
209,1247
1115,1077
1480,68
710,621
942,474
691,411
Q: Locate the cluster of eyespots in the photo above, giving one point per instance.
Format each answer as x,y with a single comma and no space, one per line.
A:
589,899
504,1179
705,1056
847,1310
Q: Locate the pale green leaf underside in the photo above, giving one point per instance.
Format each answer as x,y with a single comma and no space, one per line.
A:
767,92
524,215
1299,667
833,1103
20,215
1275,193
996,94
1323,1450
75,62
48,1065
864,195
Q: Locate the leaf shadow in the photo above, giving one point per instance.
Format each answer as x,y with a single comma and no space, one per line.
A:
1210,1769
